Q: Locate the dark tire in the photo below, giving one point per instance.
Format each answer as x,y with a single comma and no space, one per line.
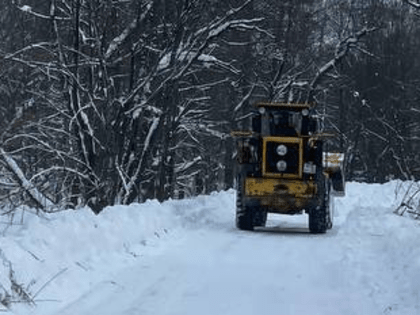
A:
320,217
244,220
318,220
244,214
260,217
330,209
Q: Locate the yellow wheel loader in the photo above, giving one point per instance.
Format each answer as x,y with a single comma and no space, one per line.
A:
283,167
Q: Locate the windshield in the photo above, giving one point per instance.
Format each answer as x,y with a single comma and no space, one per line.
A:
283,122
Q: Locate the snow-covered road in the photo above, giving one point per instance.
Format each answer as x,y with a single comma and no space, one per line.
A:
230,272
368,263
274,271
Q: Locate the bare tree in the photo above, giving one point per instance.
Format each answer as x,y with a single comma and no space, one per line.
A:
126,97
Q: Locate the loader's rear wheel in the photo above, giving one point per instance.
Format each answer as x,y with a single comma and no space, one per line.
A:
244,214
260,217
318,220
321,216
244,220
331,210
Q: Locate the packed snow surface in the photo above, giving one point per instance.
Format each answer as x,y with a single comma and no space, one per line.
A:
186,257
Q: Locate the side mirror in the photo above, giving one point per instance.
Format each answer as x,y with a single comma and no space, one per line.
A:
256,123
312,126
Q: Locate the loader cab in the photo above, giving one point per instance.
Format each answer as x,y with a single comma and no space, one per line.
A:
294,120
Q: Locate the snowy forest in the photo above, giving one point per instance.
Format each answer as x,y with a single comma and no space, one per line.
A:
107,102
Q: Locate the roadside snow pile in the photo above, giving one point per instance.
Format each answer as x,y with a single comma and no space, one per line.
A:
372,232
72,250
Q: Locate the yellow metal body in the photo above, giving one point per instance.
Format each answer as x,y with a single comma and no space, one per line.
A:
280,195
241,133
268,186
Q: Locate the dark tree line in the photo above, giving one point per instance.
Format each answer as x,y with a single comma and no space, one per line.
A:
379,96
105,102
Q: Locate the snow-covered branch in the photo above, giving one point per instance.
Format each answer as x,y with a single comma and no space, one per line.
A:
117,41
41,45
53,169
182,167
28,9
341,50
212,34
244,99
415,4
41,200
194,52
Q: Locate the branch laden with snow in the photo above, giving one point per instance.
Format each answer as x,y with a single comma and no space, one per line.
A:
194,52
415,4
41,201
119,40
342,49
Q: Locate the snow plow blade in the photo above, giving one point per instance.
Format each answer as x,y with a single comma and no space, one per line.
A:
333,165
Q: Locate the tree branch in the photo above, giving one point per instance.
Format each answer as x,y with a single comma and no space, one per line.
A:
41,200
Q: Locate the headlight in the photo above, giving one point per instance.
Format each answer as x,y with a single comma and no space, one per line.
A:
305,112
281,166
261,110
281,150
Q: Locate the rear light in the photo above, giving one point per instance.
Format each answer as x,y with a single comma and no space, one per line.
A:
281,166
309,168
281,150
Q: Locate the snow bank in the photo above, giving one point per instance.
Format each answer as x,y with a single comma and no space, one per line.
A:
75,249
371,231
